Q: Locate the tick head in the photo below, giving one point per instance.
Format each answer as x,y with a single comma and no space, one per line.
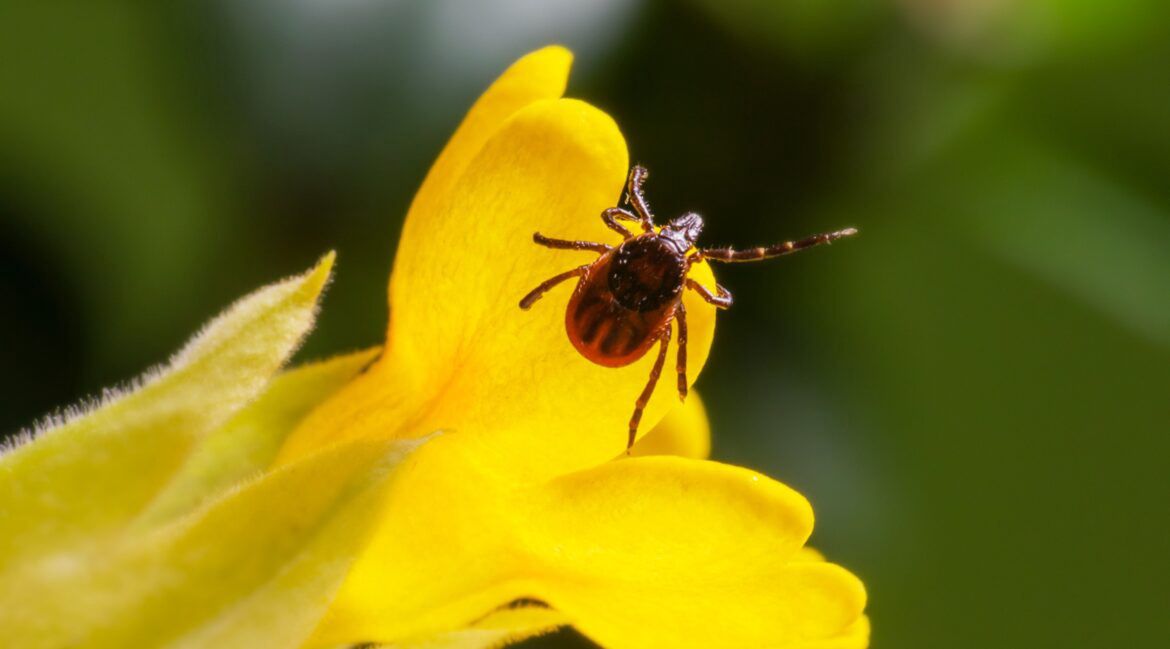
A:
685,229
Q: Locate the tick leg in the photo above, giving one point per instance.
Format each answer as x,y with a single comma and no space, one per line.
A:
538,292
563,244
644,398
611,215
637,198
680,315
723,300
776,250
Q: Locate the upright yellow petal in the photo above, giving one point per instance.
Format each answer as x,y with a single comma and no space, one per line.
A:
462,356
540,75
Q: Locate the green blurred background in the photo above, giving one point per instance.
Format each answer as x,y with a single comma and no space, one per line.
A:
974,394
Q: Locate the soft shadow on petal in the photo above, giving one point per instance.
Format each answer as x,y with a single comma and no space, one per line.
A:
684,431
441,558
462,355
506,625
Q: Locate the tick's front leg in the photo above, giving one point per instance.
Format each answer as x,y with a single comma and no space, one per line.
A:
775,250
637,198
564,244
538,292
611,216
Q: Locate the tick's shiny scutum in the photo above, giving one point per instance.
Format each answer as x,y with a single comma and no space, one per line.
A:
602,327
647,273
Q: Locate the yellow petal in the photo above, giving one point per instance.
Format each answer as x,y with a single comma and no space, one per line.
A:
381,406
684,431
91,474
246,445
682,553
255,569
625,550
810,554
462,356
540,75
439,557
855,636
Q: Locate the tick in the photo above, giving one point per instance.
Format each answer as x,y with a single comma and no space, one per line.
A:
629,298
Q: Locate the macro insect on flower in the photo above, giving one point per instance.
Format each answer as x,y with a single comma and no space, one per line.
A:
221,504
627,299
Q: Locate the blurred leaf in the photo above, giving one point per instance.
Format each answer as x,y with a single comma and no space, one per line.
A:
255,565
246,445
255,569
88,475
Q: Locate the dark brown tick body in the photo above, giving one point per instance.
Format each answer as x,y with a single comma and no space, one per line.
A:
624,299
627,299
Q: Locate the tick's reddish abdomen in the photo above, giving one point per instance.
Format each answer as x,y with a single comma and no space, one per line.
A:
622,304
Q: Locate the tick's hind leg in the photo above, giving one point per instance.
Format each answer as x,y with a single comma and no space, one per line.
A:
644,398
680,315
562,244
538,292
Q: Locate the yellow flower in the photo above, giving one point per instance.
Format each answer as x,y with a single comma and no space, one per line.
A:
465,486
521,498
